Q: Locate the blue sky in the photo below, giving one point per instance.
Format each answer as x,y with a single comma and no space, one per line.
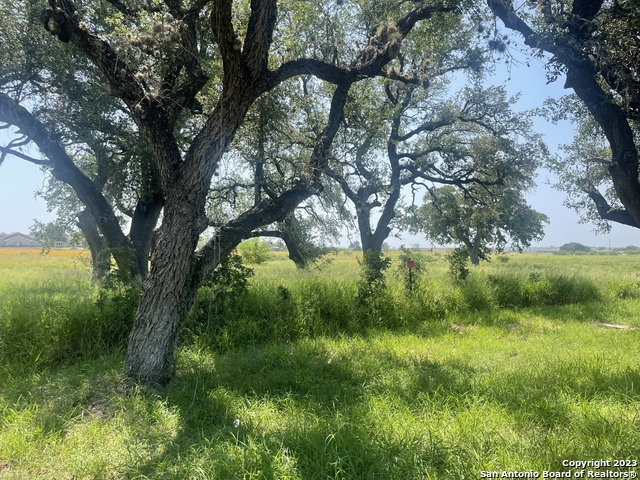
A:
19,179
564,223
18,207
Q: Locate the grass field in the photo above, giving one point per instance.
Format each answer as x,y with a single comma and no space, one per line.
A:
533,361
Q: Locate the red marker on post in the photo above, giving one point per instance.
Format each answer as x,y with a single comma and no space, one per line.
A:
411,265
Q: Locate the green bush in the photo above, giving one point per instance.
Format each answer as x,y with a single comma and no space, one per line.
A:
540,289
623,290
254,251
459,264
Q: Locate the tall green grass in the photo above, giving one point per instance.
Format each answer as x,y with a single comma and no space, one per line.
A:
446,405
516,369
313,306
51,312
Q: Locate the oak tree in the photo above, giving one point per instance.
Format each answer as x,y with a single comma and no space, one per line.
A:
479,220
472,140
159,61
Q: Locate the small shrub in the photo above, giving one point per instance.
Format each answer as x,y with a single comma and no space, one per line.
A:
459,264
229,282
372,284
372,274
254,251
540,289
373,299
317,256
218,298
117,302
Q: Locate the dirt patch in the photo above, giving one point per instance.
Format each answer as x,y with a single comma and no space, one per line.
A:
99,405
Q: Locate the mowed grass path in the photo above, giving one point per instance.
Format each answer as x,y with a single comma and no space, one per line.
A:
478,390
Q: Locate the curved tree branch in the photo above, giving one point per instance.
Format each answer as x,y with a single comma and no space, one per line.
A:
583,76
63,169
8,151
606,211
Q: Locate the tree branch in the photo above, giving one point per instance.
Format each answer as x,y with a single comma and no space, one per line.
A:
309,66
64,21
229,45
63,169
271,210
255,51
7,151
383,47
605,210
183,92
583,77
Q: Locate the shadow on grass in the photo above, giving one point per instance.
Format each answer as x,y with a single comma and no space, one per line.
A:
510,319
307,407
341,408
359,413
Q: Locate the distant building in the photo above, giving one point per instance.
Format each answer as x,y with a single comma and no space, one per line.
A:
17,240
21,240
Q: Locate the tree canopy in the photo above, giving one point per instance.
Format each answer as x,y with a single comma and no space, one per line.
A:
574,247
479,220
153,95
596,46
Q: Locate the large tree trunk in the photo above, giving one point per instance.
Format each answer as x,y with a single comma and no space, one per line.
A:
369,238
168,292
473,249
474,256
291,236
624,154
373,238
295,255
167,296
177,271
